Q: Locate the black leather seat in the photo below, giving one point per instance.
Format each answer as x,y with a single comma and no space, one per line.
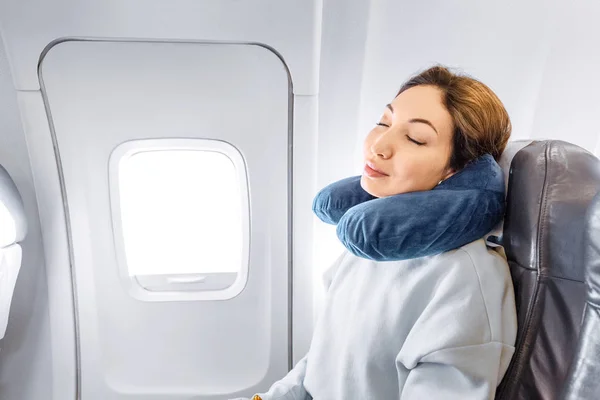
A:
550,188
583,380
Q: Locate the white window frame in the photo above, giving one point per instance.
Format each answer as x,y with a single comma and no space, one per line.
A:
179,287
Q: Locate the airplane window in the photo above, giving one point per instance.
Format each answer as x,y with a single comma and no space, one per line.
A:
180,212
181,218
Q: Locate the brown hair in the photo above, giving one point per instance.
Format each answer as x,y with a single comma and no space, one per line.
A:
481,124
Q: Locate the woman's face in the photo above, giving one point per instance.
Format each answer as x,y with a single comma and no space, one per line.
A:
410,147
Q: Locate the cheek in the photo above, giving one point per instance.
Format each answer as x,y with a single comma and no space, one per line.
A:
409,164
417,169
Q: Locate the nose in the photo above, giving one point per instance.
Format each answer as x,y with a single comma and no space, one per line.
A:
382,146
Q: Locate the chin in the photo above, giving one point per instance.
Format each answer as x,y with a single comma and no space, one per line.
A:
368,186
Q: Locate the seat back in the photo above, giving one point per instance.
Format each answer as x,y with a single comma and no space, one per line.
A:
550,186
583,380
13,228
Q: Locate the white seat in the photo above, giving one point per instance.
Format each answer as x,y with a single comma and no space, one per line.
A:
10,264
13,228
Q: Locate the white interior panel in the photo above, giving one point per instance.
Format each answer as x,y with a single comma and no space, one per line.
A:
568,105
291,27
56,380
101,94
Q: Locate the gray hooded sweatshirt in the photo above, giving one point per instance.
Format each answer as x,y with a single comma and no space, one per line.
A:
437,327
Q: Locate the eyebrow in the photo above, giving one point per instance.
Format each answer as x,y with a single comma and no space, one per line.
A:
416,120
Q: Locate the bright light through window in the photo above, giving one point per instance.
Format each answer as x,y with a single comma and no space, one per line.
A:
180,212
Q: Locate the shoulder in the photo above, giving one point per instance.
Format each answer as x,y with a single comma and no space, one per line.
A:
484,275
471,301
496,288
481,265
479,287
466,270
492,272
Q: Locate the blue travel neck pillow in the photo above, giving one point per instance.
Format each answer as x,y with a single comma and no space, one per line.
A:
461,209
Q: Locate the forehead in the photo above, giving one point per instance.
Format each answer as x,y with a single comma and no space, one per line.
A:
423,102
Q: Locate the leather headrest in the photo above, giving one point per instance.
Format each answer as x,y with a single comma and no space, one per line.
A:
551,184
592,251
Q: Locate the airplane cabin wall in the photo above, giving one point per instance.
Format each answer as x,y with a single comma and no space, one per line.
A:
25,351
291,28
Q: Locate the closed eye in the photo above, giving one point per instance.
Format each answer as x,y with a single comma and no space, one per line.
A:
414,141
408,137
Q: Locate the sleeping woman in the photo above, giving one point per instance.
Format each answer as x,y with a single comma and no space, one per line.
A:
418,307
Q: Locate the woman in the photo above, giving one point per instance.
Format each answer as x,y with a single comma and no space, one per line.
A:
435,327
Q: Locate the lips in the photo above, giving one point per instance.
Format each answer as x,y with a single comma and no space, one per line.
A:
372,171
